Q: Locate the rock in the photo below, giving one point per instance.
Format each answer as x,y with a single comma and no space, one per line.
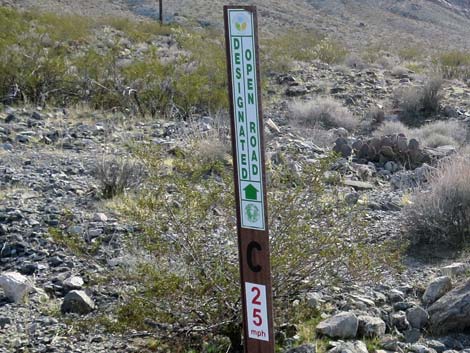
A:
351,198
370,326
439,347
436,289
36,116
358,185
10,118
342,325
272,126
295,91
412,335
15,285
389,343
396,296
419,348
452,311
100,217
417,317
305,348
348,347
314,299
455,269
77,301
72,283
4,321
399,321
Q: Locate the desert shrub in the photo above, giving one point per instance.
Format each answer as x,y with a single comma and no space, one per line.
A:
411,53
187,279
324,112
279,52
441,133
440,216
115,175
455,64
420,103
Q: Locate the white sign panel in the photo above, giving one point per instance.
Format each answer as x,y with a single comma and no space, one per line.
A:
245,98
257,313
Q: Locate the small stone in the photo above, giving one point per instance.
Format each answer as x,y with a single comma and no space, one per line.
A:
305,348
78,302
358,185
348,347
439,347
436,289
342,325
100,217
399,321
10,118
396,295
36,116
72,283
4,321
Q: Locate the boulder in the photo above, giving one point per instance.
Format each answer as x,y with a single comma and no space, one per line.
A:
455,269
77,301
436,289
451,313
370,326
15,285
342,325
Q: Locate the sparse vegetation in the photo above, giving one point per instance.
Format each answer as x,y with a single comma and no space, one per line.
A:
417,104
455,64
440,217
322,112
117,175
278,53
188,273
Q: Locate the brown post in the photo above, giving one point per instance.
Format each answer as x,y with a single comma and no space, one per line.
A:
241,36
160,5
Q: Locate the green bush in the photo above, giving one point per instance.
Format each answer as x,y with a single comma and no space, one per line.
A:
440,217
187,279
455,64
278,53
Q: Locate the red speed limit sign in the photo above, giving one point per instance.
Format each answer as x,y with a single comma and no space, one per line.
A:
241,36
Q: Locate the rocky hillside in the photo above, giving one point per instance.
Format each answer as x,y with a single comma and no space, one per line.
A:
117,218
429,23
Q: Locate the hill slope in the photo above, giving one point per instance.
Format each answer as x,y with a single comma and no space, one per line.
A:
359,23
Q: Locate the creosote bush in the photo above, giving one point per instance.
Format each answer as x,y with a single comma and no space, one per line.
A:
187,277
440,216
324,112
417,104
455,64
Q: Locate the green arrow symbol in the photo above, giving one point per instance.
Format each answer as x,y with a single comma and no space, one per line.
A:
251,193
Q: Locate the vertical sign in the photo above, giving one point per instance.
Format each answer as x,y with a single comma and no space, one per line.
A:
241,36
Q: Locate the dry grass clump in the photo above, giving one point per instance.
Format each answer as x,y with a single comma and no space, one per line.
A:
392,128
419,103
115,175
441,216
324,112
441,133
435,134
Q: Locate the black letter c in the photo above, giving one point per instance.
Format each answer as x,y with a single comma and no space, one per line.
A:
252,246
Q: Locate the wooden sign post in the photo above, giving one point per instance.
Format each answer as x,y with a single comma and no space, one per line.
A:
241,36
